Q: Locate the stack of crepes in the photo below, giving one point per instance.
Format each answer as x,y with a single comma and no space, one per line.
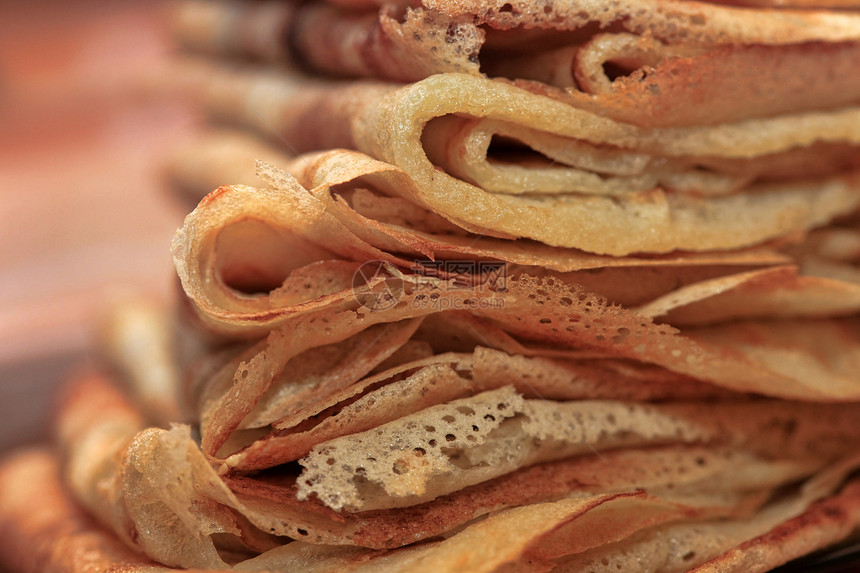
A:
555,286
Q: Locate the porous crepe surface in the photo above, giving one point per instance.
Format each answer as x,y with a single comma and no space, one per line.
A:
716,479
103,549
666,19
154,508
86,545
447,447
778,292
730,363
210,254
144,498
226,404
413,386
769,293
572,319
745,60
331,40
251,315
299,534
567,318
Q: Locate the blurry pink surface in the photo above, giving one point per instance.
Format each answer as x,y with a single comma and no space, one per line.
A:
84,209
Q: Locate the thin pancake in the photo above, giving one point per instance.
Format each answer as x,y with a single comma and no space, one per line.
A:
389,124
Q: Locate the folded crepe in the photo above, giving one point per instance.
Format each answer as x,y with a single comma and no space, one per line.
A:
352,195
365,424
702,466
617,128
31,479
581,297
635,58
502,161
376,428
42,528
686,470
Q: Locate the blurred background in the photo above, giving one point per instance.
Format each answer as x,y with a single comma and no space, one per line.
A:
85,212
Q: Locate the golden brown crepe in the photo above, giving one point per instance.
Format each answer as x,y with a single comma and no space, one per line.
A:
630,189
160,496
30,480
358,192
220,242
581,297
722,55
